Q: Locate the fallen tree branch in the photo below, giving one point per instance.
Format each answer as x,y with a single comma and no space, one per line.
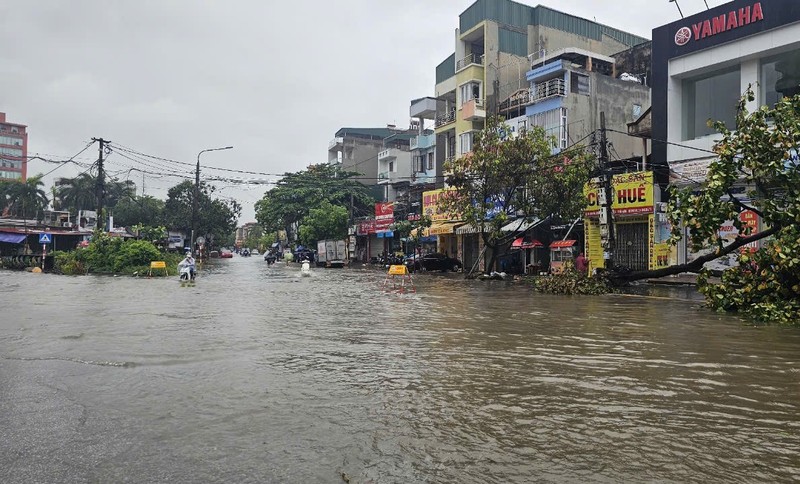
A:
696,265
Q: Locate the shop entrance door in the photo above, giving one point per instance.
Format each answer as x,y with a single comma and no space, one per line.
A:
631,248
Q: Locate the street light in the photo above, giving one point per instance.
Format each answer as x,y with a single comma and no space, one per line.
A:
196,196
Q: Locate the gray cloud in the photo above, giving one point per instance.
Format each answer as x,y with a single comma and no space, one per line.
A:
274,79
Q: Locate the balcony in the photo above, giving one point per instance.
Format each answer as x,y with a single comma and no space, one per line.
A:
390,154
384,177
335,143
547,90
422,142
473,110
469,60
446,118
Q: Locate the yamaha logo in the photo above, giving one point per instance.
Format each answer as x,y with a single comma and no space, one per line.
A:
683,36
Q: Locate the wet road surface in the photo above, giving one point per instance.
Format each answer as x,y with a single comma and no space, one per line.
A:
259,375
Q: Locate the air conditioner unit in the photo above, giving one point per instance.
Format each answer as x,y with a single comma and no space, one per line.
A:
67,224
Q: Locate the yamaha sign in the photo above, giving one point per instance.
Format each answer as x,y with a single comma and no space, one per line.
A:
731,20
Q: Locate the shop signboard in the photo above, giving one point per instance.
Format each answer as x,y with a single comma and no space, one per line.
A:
432,206
633,194
384,215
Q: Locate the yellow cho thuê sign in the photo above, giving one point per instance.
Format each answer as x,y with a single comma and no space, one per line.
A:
632,194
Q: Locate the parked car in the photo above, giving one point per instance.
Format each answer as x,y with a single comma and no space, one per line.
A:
434,262
225,254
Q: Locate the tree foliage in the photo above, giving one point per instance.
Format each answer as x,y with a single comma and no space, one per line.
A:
502,179
143,210
296,194
23,199
216,218
80,192
760,154
325,222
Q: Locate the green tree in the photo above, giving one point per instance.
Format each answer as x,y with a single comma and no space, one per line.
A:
502,178
144,210
216,218
26,199
761,154
290,201
326,222
77,193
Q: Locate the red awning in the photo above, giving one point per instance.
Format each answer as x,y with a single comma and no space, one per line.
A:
559,244
521,243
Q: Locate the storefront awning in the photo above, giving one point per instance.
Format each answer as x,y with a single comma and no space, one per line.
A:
559,244
441,228
521,243
11,238
520,225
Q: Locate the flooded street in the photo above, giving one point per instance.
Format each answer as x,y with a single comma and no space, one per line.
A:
259,375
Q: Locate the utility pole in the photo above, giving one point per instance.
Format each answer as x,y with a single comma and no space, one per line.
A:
606,196
100,190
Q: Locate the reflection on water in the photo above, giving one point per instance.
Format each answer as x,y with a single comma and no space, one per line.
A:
257,374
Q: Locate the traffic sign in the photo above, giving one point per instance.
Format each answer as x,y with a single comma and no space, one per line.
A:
45,238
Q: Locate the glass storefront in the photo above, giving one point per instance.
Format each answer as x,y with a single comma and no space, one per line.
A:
711,96
780,77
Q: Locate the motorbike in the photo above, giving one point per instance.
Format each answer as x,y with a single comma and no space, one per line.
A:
186,274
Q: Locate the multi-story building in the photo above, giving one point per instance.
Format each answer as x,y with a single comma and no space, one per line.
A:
517,61
13,150
701,67
394,166
356,150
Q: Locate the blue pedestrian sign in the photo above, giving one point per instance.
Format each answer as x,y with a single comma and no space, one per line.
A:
45,238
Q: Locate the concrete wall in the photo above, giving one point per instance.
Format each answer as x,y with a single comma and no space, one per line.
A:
616,98
550,39
361,156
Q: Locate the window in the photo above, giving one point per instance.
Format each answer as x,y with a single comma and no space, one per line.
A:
579,83
431,160
7,163
554,123
780,77
12,175
470,91
10,151
711,96
466,143
10,140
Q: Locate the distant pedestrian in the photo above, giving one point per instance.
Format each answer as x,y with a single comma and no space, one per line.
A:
582,264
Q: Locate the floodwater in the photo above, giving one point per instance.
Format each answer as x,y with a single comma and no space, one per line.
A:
259,375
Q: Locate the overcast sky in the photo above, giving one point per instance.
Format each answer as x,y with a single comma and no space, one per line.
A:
273,79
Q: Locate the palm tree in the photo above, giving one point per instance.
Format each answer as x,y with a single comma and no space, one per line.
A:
77,193
24,199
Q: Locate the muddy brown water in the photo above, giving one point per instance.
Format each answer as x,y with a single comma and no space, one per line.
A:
259,375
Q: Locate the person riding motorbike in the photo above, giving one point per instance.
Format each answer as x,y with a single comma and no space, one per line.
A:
189,262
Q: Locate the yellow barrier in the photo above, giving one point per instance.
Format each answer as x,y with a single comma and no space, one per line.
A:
157,264
398,270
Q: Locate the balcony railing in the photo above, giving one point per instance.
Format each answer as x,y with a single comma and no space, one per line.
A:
422,142
335,141
548,89
470,59
446,118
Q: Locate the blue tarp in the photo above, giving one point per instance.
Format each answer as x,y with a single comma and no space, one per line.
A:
11,238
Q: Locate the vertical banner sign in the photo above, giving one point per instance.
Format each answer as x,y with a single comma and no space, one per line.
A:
384,216
651,240
749,221
594,245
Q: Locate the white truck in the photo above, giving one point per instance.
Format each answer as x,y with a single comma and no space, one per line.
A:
332,253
